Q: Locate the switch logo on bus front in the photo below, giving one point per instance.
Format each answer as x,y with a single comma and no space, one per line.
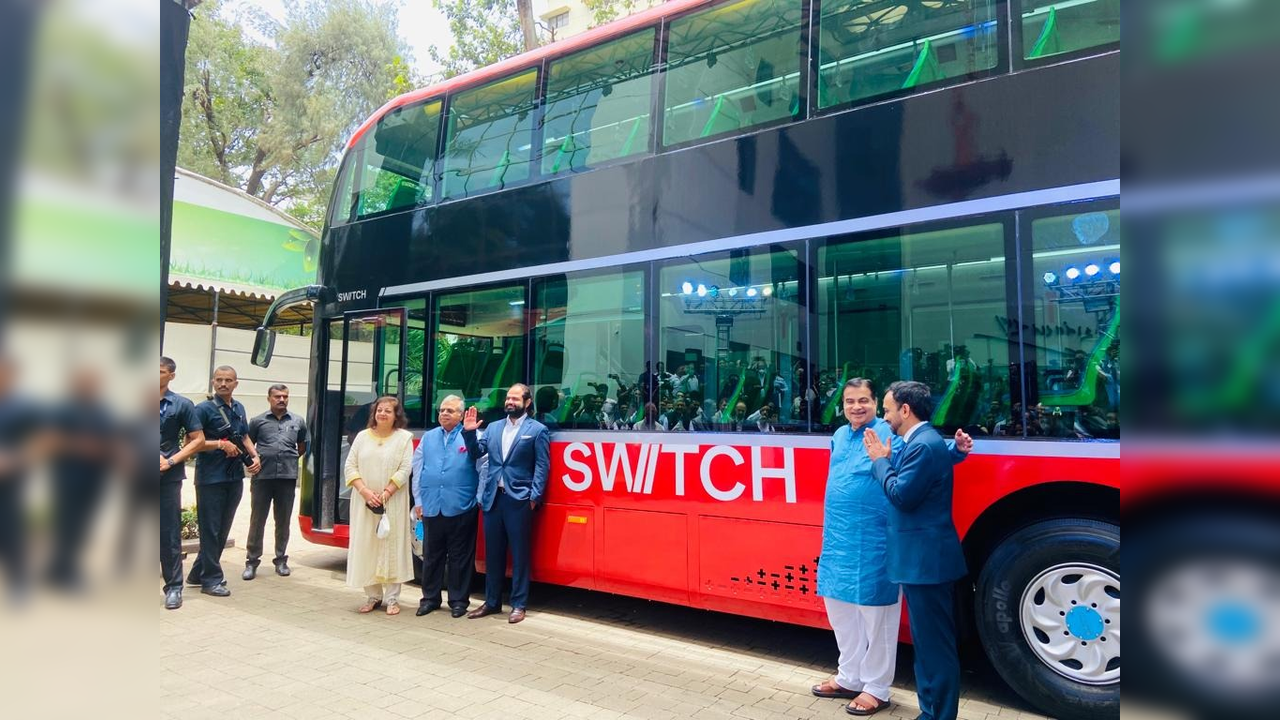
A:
723,473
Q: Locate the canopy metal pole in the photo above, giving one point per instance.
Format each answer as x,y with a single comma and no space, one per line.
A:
213,340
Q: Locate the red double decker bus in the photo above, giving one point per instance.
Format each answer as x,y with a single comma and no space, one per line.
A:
686,229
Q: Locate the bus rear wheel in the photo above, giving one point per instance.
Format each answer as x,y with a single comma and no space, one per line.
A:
1206,586
1048,615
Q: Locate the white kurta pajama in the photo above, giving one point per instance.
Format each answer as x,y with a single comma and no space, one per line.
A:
380,565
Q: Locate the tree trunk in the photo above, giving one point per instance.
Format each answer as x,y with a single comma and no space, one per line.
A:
525,8
256,172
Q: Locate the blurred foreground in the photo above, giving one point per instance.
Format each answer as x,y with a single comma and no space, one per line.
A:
1201,499
79,241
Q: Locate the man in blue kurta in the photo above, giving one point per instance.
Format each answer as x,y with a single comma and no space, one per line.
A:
863,605
444,490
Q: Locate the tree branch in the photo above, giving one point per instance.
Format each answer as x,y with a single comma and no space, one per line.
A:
303,145
269,195
217,140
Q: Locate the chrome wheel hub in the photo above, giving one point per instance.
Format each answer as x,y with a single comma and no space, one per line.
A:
1215,619
1071,619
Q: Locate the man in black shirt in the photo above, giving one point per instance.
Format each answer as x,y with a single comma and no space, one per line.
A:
84,435
177,416
280,438
19,424
220,477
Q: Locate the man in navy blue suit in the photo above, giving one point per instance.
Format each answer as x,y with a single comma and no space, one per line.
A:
519,450
924,553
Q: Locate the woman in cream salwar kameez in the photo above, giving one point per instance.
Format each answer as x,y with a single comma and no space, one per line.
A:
377,469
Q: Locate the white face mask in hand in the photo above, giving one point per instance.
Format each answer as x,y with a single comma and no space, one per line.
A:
384,528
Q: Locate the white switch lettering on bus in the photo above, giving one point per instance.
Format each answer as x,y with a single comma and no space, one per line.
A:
638,469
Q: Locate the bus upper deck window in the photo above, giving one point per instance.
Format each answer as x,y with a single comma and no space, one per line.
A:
867,50
730,68
598,104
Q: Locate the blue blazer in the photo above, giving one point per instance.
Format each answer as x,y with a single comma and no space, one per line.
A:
524,472
924,548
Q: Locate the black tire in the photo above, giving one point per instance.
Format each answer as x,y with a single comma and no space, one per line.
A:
1198,543
1005,576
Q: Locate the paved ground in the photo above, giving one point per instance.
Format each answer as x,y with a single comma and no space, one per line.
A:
296,648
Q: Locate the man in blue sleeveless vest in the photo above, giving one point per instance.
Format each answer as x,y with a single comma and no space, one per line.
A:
444,492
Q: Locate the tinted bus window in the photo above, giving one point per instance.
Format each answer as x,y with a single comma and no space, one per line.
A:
1074,331
728,346
414,355
870,49
490,135
732,67
344,195
1055,28
598,104
1204,313
928,306
479,347
588,350
398,161
336,430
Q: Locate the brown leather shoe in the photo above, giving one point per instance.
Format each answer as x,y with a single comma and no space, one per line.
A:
483,611
516,616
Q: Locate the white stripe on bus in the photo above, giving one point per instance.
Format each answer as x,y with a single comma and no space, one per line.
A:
1097,449
1012,447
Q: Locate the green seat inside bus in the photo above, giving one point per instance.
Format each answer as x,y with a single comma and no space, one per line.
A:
1088,389
1048,42
587,148
405,195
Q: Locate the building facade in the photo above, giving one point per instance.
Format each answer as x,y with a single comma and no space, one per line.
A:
559,19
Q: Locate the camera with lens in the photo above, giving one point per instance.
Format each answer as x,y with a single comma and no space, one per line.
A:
237,440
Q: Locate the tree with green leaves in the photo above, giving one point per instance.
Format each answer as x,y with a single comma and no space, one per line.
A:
605,11
489,31
271,118
484,32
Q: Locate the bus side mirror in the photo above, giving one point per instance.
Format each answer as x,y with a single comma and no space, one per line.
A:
264,343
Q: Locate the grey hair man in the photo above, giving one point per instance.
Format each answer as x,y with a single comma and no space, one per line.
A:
444,487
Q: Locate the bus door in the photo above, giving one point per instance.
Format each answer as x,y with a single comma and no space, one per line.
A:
366,357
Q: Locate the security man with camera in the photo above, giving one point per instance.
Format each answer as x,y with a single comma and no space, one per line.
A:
220,468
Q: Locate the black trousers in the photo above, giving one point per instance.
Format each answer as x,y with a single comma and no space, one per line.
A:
171,535
508,524
931,614
76,495
215,508
13,534
263,494
449,543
